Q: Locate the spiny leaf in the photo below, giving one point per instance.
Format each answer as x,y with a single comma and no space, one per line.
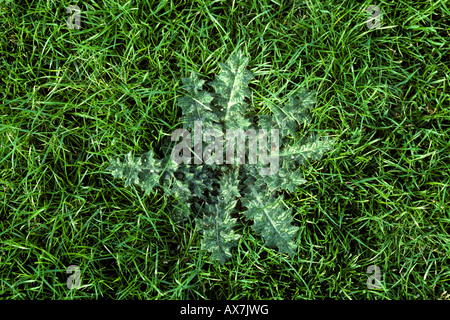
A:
231,87
143,171
287,118
272,221
286,178
217,225
196,104
310,149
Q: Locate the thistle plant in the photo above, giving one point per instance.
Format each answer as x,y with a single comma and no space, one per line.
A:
215,193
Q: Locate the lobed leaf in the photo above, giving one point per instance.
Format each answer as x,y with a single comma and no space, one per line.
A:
231,87
271,221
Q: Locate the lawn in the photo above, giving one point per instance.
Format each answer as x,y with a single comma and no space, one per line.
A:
71,99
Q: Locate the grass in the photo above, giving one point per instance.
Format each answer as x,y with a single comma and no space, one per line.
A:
71,99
